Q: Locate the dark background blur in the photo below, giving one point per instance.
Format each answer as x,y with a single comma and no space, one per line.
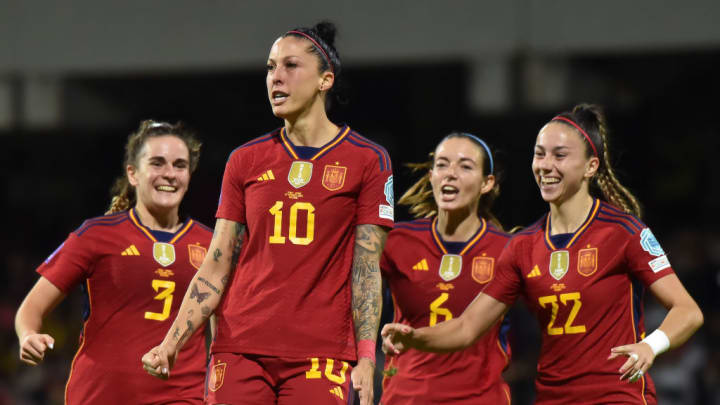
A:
76,78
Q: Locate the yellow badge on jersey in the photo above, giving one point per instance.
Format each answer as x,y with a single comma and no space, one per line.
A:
334,177
450,267
164,253
559,263
482,269
300,173
587,261
196,253
217,375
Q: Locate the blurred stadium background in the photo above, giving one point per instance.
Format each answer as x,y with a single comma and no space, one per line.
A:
76,77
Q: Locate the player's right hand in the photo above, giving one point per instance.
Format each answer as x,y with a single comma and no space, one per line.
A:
33,347
396,338
158,362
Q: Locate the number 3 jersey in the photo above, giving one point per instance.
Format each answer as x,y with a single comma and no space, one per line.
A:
586,291
134,280
290,293
433,281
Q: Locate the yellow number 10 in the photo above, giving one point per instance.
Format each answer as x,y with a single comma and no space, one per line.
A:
276,211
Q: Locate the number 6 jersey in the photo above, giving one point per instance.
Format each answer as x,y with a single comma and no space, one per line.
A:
290,293
133,280
433,281
586,291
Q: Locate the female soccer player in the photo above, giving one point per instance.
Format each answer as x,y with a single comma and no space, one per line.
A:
436,265
294,261
582,269
131,264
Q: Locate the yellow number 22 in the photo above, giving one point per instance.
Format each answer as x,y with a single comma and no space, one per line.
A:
564,298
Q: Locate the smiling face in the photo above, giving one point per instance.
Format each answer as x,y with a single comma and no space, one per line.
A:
294,82
162,174
561,165
457,176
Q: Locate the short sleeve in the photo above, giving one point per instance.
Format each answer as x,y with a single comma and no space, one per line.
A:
231,204
376,198
647,260
69,264
506,285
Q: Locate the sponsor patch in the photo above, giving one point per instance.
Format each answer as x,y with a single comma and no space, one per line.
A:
389,193
661,263
587,261
482,269
559,263
196,253
650,244
164,253
217,375
300,173
387,212
334,177
450,267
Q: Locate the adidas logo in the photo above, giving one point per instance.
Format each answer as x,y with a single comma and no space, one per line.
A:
535,272
131,251
268,175
421,265
337,391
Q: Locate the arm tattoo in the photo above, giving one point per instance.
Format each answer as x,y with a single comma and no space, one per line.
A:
366,280
176,334
209,284
236,245
205,311
188,332
200,295
216,255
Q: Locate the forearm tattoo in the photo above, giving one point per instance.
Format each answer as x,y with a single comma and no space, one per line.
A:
236,245
209,284
217,254
188,332
366,280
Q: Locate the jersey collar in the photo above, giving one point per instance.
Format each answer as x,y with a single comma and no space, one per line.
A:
472,242
591,215
146,231
290,148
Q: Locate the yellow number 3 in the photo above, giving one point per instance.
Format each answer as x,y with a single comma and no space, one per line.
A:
166,295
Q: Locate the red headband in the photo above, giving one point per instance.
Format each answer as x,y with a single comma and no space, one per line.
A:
571,122
327,58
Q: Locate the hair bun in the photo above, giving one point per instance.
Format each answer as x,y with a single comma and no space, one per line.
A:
326,31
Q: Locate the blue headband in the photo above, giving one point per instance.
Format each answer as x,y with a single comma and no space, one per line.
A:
485,146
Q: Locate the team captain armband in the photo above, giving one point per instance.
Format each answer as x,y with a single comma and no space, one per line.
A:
658,341
366,349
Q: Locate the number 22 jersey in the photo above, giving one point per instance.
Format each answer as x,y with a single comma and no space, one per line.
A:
134,280
586,292
290,293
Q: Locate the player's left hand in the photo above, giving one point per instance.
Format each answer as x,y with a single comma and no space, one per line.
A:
362,380
640,358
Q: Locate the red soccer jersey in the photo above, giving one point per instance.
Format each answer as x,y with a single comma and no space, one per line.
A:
430,285
586,293
290,293
134,285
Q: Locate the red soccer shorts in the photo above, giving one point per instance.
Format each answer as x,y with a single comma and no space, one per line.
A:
246,379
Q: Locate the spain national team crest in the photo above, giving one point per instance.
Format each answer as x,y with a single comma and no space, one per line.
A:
164,253
482,269
559,263
196,253
300,173
587,261
217,375
450,267
334,177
